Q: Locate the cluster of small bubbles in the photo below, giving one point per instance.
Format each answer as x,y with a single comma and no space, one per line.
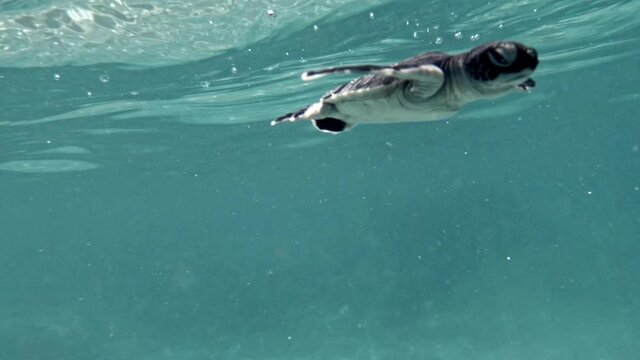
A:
234,69
458,35
371,15
56,77
475,37
439,40
104,78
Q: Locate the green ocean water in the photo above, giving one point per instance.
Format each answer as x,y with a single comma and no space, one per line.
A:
149,211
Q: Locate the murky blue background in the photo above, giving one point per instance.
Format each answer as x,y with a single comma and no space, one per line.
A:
149,211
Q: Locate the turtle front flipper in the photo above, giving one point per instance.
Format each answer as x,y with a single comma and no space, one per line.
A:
317,74
425,80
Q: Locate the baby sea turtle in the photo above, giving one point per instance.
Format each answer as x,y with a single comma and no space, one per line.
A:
427,87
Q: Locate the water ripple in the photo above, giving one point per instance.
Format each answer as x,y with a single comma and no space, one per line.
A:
46,166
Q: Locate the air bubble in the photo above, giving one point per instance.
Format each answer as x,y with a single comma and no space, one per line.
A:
439,40
56,77
371,15
315,27
458,35
475,37
104,78
234,69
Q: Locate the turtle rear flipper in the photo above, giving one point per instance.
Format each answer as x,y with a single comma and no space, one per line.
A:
292,116
331,125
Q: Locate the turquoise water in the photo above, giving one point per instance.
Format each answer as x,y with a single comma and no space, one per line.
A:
149,211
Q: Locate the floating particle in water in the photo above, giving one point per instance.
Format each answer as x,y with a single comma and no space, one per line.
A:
104,78
56,77
270,12
439,40
458,35
372,15
475,37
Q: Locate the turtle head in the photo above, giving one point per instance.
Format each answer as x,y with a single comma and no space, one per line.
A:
500,67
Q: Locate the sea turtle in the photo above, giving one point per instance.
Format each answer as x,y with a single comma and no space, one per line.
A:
427,87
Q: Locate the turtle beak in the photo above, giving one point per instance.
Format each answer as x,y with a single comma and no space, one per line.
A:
527,85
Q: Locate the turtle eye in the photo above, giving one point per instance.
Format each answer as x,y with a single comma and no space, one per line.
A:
503,56
498,59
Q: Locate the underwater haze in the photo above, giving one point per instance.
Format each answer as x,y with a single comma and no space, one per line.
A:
149,211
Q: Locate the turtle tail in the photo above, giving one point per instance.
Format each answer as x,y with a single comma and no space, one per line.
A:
292,116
